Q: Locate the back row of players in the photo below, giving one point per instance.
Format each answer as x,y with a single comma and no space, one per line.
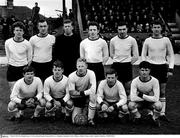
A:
43,48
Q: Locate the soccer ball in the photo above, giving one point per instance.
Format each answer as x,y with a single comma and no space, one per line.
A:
80,119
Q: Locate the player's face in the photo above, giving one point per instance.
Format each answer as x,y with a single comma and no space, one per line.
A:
68,28
144,72
18,32
43,28
111,79
122,31
93,31
156,29
28,77
57,72
81,68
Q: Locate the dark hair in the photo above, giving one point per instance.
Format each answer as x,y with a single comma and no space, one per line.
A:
28,69
110,71
18,24
157,22
93,23
67,21
145,64
42,20
59,64
122,24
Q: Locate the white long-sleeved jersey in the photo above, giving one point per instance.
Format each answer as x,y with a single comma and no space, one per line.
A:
157,51
53,89
18,53
42,48
150,89
22,90
94,51
114,94
86,83
122,50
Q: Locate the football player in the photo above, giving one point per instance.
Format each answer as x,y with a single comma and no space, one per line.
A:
56,92
27,93
159,52
82,88
145,94
111,96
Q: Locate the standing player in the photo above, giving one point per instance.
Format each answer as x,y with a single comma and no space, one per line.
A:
42,44
95,50
66,48
56,91
18,53
82,89
145,94
111,95
124,52
157,49
27,93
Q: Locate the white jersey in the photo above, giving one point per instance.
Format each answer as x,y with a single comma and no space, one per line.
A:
157,51
86,83
53,89
111,94
94,51
121,50
151,86
42,48
18,53
22,90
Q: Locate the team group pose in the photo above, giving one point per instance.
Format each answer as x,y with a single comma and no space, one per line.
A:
86,91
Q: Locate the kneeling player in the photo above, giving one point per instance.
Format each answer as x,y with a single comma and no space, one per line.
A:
145,94
82,88
56,92
111,96
27,93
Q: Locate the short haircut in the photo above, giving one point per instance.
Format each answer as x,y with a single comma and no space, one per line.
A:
81,60
67,21
18,24
122,23
145,64
93,23
28,69
110,71
157,22
42,20
58,64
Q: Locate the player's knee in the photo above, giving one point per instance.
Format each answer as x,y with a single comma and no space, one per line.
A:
158,106
92,98
98,106
125,108
48,105
70,103
131,106
11,106
42,102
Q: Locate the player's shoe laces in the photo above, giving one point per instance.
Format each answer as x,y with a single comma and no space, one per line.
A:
163,118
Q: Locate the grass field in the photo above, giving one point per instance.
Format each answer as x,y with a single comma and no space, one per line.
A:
112,127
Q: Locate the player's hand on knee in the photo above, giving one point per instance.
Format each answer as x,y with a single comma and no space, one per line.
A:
57,104
104,107
110,109
30,102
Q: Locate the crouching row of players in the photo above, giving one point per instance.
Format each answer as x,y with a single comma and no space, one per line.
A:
77,98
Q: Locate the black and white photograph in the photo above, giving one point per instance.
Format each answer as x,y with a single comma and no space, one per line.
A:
89,68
